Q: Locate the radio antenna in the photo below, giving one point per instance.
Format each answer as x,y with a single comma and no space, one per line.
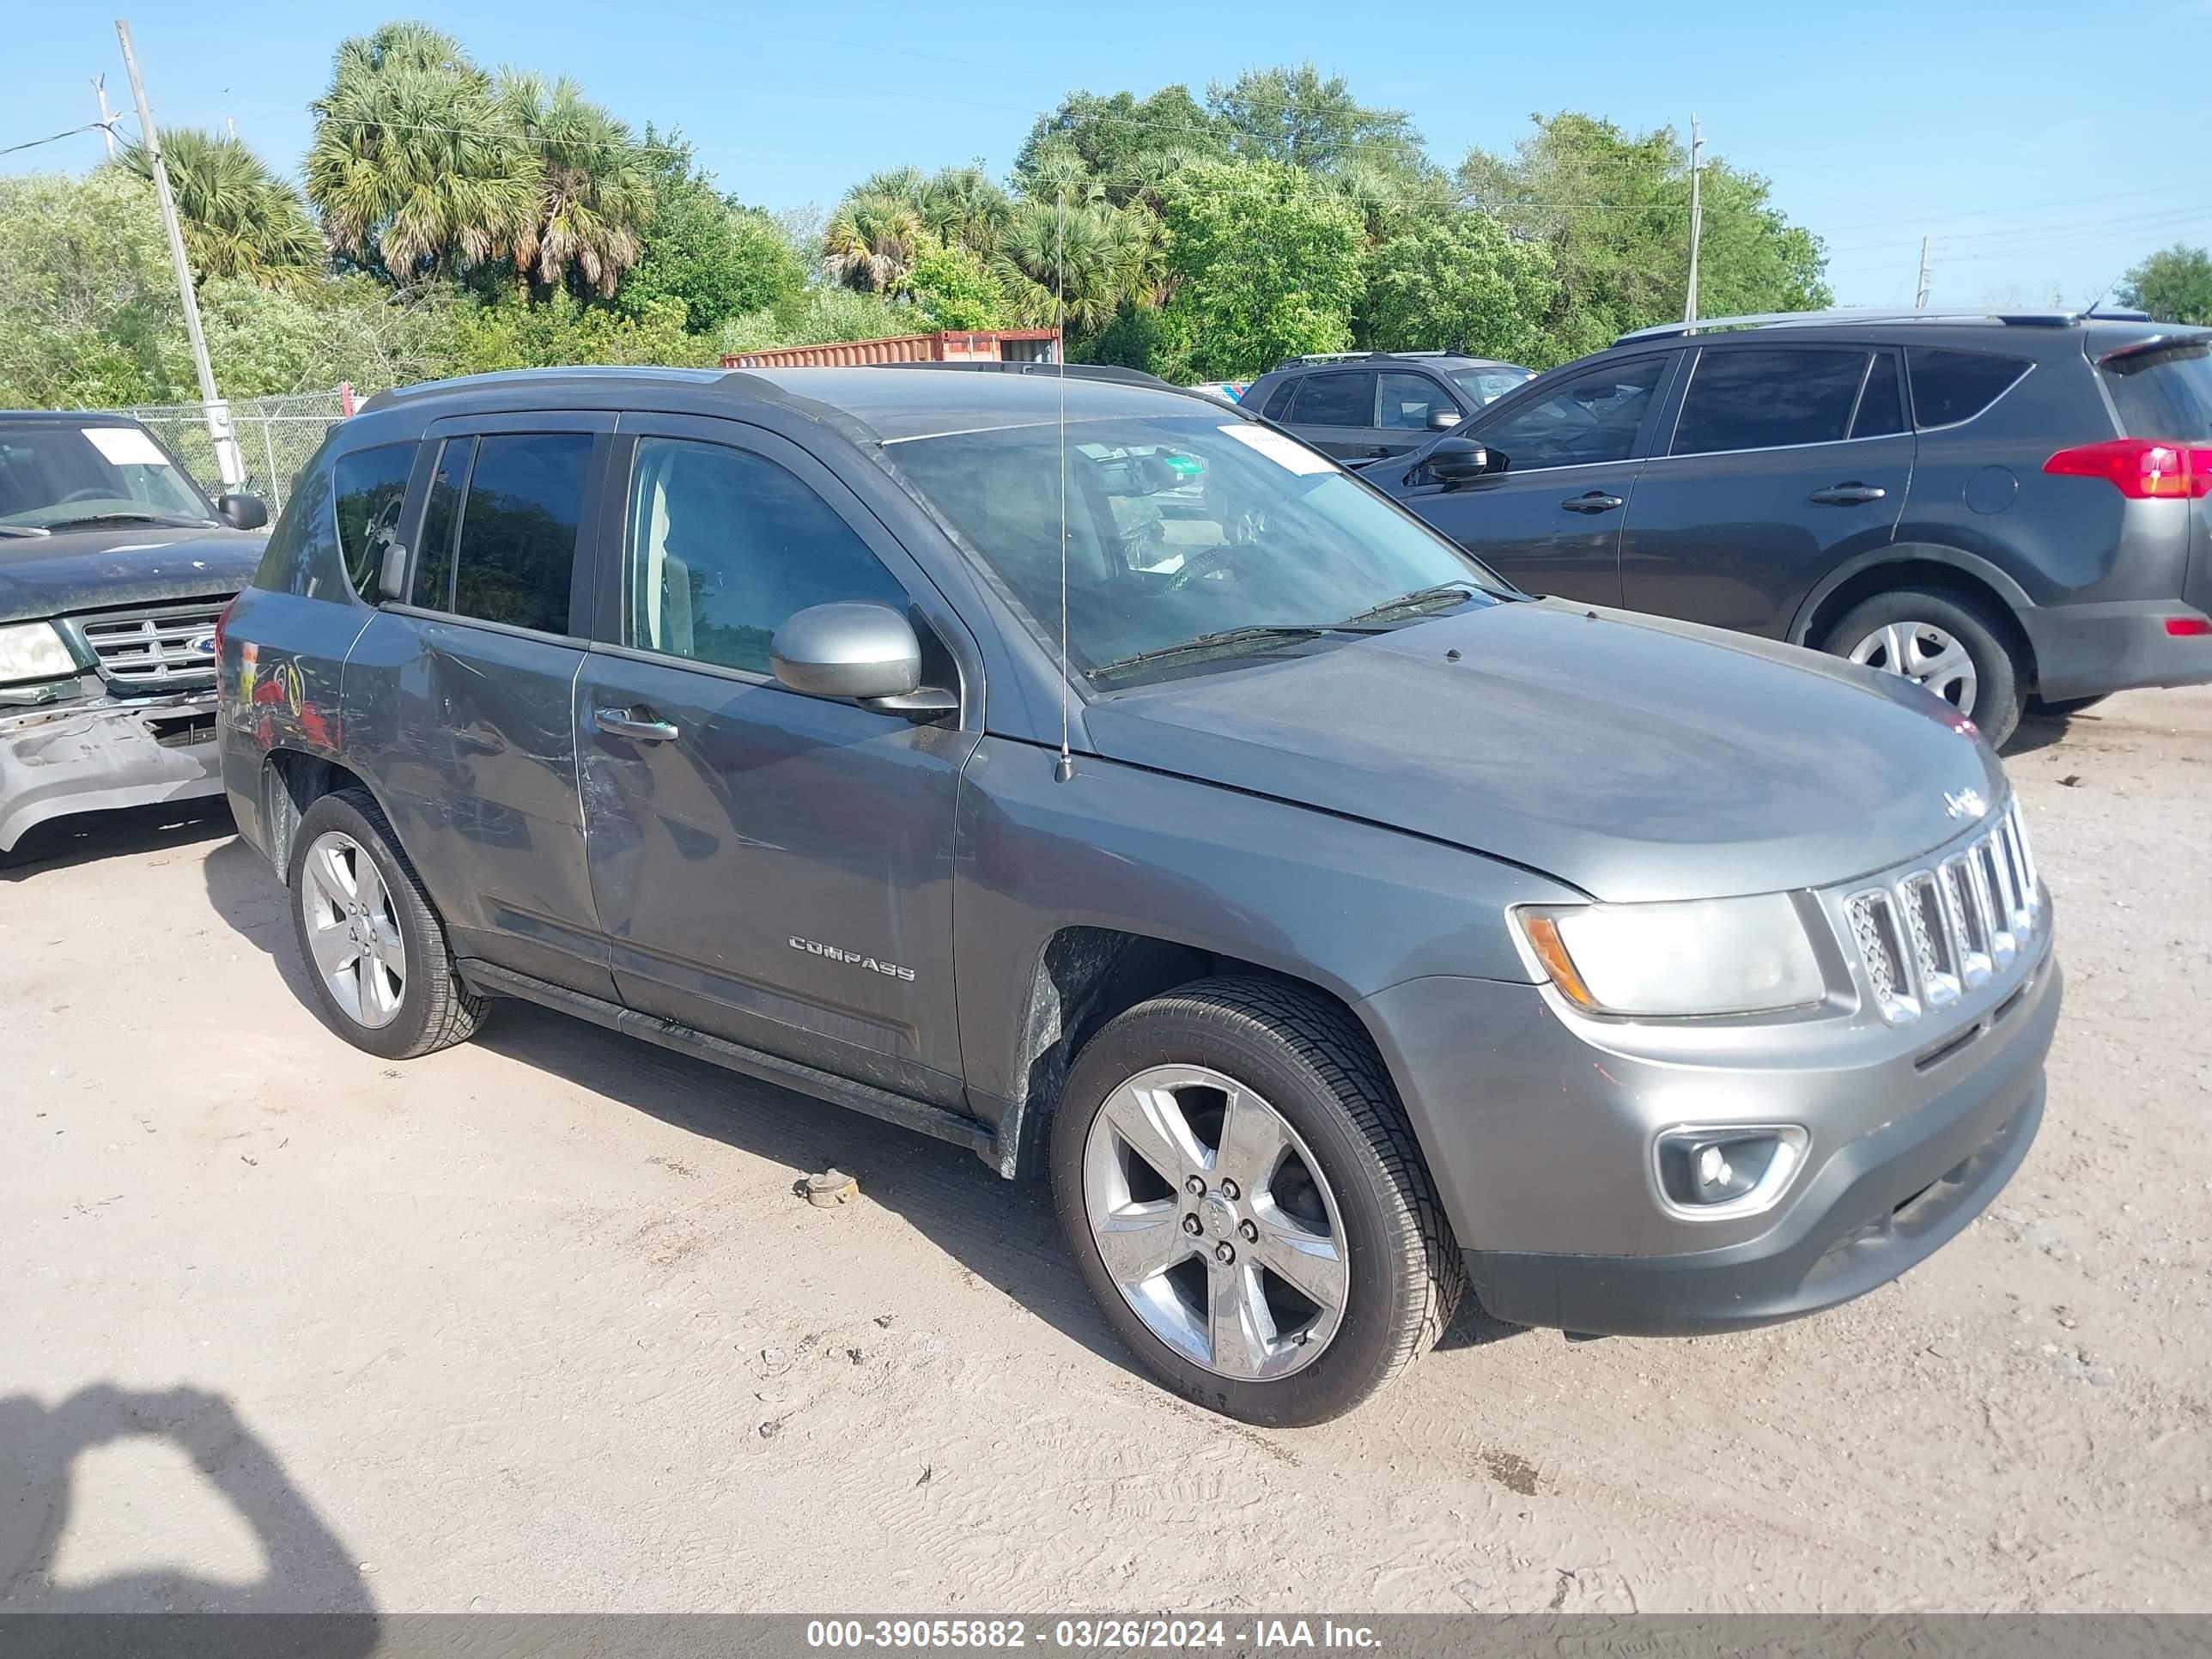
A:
1064,768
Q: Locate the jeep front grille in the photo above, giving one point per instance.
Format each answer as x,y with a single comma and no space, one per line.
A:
1927,936
171,646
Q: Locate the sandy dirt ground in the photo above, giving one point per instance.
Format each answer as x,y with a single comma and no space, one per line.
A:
538,1323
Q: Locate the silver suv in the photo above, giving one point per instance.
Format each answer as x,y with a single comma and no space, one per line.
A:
1336,925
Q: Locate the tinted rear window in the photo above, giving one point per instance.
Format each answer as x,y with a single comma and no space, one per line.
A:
370,484
1881,405
1950,386
2163,394
1278,400
1764,400
1335,400
517,545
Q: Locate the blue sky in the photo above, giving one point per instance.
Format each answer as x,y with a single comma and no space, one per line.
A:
2044,147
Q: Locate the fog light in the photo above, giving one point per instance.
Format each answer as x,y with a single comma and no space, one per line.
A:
1730,1170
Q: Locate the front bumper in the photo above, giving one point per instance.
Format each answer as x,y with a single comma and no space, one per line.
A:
2086,650
94,755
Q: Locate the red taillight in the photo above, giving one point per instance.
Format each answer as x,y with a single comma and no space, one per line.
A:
2188,627
2141,469
223,624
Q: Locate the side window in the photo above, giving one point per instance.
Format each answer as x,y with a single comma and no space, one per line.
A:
1881,405
1335,400
1949,386
302,554
1278,400
1409,399
1746,399
1593,417
518,544
370,484
724,545
432,586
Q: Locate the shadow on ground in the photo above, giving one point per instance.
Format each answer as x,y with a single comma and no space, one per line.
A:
64,843
309,1567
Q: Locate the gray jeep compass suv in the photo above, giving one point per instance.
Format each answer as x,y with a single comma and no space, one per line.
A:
2001,506
1335,924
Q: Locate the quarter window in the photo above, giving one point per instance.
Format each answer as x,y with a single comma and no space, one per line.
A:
1767,400
432,586
725,545
1278,400
1593,417
371,483
1335,400
517,543
1408,400
1881,405
1950,386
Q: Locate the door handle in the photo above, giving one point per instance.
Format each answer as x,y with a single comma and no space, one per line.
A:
625,723
1853,493
1595,501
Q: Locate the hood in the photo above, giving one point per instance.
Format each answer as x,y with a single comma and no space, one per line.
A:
1635,758
120,564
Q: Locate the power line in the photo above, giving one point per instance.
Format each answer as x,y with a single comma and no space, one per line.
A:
56,137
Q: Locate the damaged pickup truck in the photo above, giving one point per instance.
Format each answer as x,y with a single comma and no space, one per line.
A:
114,571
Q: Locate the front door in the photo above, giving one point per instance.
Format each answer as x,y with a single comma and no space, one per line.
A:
1334,411
1784,462
1564,464
773,868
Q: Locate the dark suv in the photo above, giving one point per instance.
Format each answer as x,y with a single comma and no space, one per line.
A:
1362,406
2001,506
1093,776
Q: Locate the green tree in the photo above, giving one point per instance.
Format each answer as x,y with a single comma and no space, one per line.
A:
413,166
1139,337
1614,212
871,240
962,205
88,309
2174,285
239,219
511,331
594,186
1075,261
1265,260
1112,138
1457,282
717,257
1295,116
263,342
953,287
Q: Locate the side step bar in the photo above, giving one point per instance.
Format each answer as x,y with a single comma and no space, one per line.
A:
488,980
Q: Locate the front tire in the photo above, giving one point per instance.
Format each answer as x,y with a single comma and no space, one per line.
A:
375,949
1947,642
1243,1195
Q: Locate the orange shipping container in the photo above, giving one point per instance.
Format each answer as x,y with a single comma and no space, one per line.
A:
988,346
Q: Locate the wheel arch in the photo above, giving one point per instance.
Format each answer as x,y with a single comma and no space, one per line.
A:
292,781
1942,569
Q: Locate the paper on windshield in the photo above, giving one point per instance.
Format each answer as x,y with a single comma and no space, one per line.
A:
1278,448
125,445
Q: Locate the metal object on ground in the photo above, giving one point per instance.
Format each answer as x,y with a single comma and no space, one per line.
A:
827,1190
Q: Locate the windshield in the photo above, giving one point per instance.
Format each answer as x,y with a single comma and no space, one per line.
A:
57,474
2164,392
1486,385
1178,526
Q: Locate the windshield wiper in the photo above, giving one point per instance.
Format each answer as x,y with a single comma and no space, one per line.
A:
127,517
1423,598
24,529
1206,644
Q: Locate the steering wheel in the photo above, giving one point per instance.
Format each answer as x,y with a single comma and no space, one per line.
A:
1200,565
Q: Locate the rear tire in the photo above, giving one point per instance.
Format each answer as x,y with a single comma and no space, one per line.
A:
1253,1079
1947,642
374,946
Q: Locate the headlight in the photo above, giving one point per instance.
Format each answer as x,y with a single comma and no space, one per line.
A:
1737,956
32,651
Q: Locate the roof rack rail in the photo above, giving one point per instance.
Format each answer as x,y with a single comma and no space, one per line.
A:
1038,365
1311,358
1846,314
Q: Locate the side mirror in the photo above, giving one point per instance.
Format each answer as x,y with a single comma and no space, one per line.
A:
1444,418
243,512
391,572
1456,460
865,652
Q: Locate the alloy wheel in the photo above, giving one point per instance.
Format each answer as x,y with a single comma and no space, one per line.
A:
1215,1223
353,929
1923,652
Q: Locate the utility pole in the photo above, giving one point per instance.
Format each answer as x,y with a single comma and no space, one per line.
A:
1697,219
228,461
106,117
1920,293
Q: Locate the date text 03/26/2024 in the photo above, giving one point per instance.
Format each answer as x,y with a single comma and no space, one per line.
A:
1079,1635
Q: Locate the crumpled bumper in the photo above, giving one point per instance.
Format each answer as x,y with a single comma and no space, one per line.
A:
92,756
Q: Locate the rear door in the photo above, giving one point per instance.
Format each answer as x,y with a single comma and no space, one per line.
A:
1564,459
772,868
1333,410
1410,407
1783,462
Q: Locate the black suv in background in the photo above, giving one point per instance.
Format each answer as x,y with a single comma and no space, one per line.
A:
1362,406
2000,505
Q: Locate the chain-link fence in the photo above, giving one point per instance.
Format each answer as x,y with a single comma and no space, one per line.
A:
275,437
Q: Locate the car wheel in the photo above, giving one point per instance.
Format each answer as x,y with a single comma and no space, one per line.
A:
1245,1199
374,947
1947,642
2066,708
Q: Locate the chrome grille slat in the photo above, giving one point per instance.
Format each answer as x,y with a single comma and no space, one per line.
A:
1927,936
155,647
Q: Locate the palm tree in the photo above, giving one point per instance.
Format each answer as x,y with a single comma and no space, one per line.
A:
962,205
414,166
239,218
594,191
871,240
1063,264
